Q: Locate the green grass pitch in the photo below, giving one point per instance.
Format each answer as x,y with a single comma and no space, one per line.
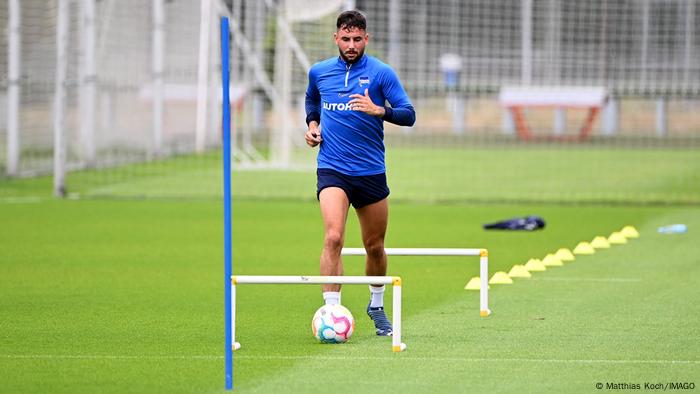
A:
127,296
442,174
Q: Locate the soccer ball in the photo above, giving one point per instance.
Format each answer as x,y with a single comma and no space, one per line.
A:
333,324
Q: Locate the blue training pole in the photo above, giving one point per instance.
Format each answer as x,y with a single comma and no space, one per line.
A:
226,130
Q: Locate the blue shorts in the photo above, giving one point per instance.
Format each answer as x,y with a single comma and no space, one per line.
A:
361,190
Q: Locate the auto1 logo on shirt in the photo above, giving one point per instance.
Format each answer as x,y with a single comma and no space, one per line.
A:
363,83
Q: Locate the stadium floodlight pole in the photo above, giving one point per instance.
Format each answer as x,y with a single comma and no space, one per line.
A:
483,254
226,129
396,344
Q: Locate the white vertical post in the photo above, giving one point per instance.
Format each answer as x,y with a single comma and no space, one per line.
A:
254,32
457,104
394,55
281,139
88,81
234,345
559,121
397,346
645,40
203,75
507,121
689,28
454,41
553,40
158,53
237,151
661,117
214,98
258,116
611,117
59,143
526,42
451,67
484,288
13,80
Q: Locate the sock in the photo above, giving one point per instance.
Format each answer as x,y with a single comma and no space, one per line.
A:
377,296
331,297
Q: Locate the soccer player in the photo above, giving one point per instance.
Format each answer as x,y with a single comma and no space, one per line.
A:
345,111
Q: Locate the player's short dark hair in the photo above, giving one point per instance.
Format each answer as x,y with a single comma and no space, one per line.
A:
349,20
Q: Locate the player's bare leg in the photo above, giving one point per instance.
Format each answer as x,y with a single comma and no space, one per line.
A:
334,210
373,221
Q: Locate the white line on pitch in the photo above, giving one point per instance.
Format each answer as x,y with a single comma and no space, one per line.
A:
477,360
589,279
104,357
20,200
349,357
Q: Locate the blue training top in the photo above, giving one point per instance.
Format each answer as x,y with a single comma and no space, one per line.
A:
353,141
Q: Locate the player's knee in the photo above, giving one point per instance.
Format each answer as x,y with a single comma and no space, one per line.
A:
375,249
333,240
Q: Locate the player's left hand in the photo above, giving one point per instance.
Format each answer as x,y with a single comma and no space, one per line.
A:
364,104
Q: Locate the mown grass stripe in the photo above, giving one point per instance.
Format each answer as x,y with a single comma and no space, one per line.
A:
349,357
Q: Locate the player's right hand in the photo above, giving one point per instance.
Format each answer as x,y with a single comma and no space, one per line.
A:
313,137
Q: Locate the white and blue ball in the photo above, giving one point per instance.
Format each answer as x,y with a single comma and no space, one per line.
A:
333,324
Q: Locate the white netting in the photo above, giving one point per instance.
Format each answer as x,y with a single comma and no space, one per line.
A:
36,86
452,56
632,47
4,78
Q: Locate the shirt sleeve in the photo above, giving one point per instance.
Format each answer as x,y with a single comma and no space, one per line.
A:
401,111
313,99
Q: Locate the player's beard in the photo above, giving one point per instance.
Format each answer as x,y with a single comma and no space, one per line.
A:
357,56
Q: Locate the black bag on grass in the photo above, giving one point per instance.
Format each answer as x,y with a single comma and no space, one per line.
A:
527,223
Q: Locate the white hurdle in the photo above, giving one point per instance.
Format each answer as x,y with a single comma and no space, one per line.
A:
483,254
397,345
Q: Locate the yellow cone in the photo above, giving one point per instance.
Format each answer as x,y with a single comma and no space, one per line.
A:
600,243
630,232
474,284
564,254
500,278
584,248
535,265
519,271
617,238
552,261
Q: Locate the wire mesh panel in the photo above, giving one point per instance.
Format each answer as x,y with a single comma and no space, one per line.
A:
632,47
4,83
152,126
32,148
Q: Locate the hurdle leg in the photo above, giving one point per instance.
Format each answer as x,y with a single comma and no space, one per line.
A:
397,345
234,345
484,276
